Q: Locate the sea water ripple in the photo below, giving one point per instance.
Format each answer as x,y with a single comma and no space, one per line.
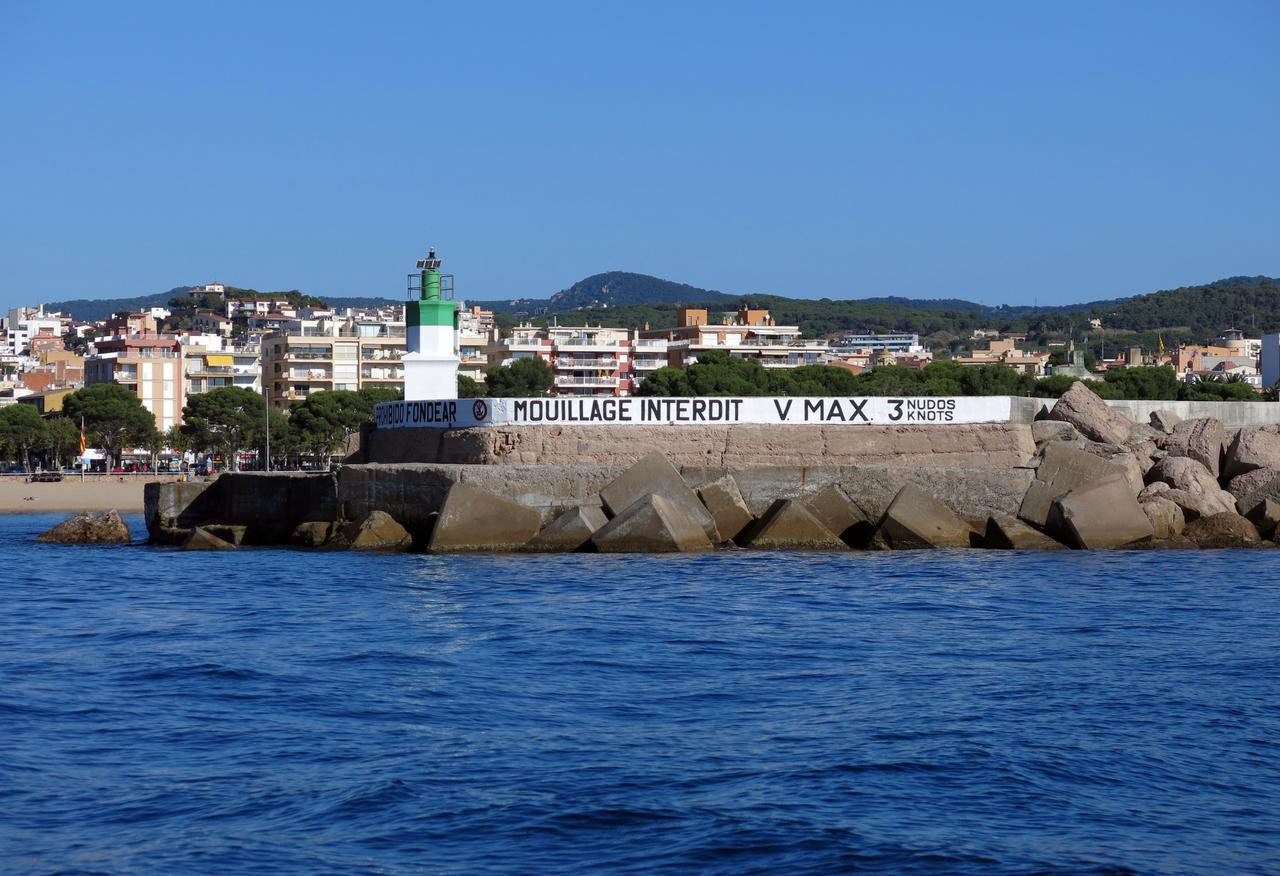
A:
270,711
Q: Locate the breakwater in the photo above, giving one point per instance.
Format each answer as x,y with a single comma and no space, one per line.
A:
1085,476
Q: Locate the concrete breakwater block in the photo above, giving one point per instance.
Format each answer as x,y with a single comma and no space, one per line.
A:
652,524
831,507
727,507
1062,468
571,531
655,475
1011,534
473,520
788,525
1103,515
201,539
916,520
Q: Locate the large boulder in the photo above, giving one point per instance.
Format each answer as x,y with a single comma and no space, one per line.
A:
1167,520
86,528
1268,490
201,539
473,520
571,531
652,524
1094,418
788,525
1103,515
1265,516
1125,459
1199,439
378,532
1251,481
833,508
914,519
1011,534
1252,448
1044,431
1184,473
1164,420
724,501
1064,468
1225,530
313,533
655,475
1195,505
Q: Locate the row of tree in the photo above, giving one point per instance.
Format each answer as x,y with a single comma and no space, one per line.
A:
716,373
225,421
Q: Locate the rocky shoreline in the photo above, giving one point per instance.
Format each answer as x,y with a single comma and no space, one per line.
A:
1095,480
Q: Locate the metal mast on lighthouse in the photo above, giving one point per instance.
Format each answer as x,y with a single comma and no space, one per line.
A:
431,315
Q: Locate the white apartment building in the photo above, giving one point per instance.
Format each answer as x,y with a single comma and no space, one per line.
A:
150,365
305,356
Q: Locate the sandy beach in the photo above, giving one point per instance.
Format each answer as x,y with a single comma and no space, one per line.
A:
95,493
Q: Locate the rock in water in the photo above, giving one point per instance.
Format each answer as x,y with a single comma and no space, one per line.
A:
473,520
1166,517
1103,515
379,532
105,528
1011,534
1094,418
1225,530
833,508
915,519
570,531
724,501
1063,468
202,539
651,524
788,525
654,474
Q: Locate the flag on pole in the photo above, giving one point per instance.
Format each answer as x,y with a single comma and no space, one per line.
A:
1160,338
82,442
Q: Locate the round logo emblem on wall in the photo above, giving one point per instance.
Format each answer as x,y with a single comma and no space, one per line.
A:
480,409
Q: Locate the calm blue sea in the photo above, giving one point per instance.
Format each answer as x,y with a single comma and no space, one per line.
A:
951,712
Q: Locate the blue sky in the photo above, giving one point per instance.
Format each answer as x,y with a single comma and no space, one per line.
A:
1001,152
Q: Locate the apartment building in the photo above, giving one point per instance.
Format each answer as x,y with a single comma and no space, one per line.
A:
585,360
476,334
896,342
749,334
1006,352
150,365
209,363
309,355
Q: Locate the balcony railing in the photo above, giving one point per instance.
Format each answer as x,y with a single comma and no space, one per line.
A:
586,381
601,362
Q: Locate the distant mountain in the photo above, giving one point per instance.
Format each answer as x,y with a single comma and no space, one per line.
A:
94,309
632,300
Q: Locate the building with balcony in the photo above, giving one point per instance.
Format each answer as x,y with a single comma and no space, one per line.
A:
585,360
351,353
747,334
210,364
896,342
150,365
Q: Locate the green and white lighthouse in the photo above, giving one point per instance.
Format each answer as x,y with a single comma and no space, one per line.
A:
431,315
